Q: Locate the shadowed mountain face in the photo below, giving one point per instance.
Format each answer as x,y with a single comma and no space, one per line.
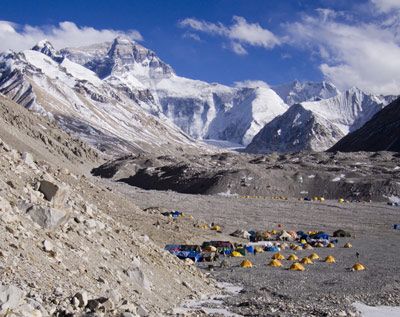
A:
381,133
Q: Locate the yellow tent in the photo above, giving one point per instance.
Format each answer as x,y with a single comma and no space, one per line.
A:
292,257
278,256
203,226
216,228
314,256
298,248
330,259
319,245
306,261
321,199
296,267
258,249
275,263
303,241
308,247
341,200
348,245
330,245
236,254
358,267
246,264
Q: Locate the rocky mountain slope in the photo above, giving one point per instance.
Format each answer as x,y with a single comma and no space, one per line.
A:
381,133
29,132
361,176
317,125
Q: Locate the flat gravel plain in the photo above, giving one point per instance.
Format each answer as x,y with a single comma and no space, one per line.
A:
322,289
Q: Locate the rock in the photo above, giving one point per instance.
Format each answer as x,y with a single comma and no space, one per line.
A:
27,158
56,193
137,276
142,312
47,246
82,298
4,205
127,314
94,224
46,217
10,297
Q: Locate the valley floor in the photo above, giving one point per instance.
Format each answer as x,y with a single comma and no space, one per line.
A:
322,289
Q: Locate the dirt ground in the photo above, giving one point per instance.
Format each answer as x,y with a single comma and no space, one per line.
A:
322,289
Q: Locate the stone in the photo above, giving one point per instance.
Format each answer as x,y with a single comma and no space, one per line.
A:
56,193
82,298
27,158
46,217
47,246
137,276
5,205
142,311
10,297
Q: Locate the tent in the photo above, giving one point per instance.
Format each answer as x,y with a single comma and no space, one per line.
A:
306,261
320,236
292,257
216,228
330,259
236,254
273,248
285,236
241,234
258,249
246,264
308,247
330,245
278,256
358,267
314,256
348,245
275,263
296,267
298,248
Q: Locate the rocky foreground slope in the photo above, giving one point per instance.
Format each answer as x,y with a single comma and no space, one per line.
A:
72,246
381,133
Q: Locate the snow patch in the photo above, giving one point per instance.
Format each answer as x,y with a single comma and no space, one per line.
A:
377,311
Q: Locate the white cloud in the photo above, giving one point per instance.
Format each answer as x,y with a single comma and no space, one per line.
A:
240,33
193,36
251,84
17,37
386,5
365,55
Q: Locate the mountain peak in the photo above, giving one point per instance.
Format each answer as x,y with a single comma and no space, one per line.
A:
45,47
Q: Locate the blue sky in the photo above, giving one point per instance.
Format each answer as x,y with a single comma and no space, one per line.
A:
232,40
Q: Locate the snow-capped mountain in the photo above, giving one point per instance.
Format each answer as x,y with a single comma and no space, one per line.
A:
200,109
317,125
83,103
297,92
121,96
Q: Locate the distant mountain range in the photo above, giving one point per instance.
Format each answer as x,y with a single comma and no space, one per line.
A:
120,97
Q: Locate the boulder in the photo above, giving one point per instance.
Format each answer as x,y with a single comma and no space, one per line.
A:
137,276
341,234
82,299
56,193
10,297
46,217
27,158
5,205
